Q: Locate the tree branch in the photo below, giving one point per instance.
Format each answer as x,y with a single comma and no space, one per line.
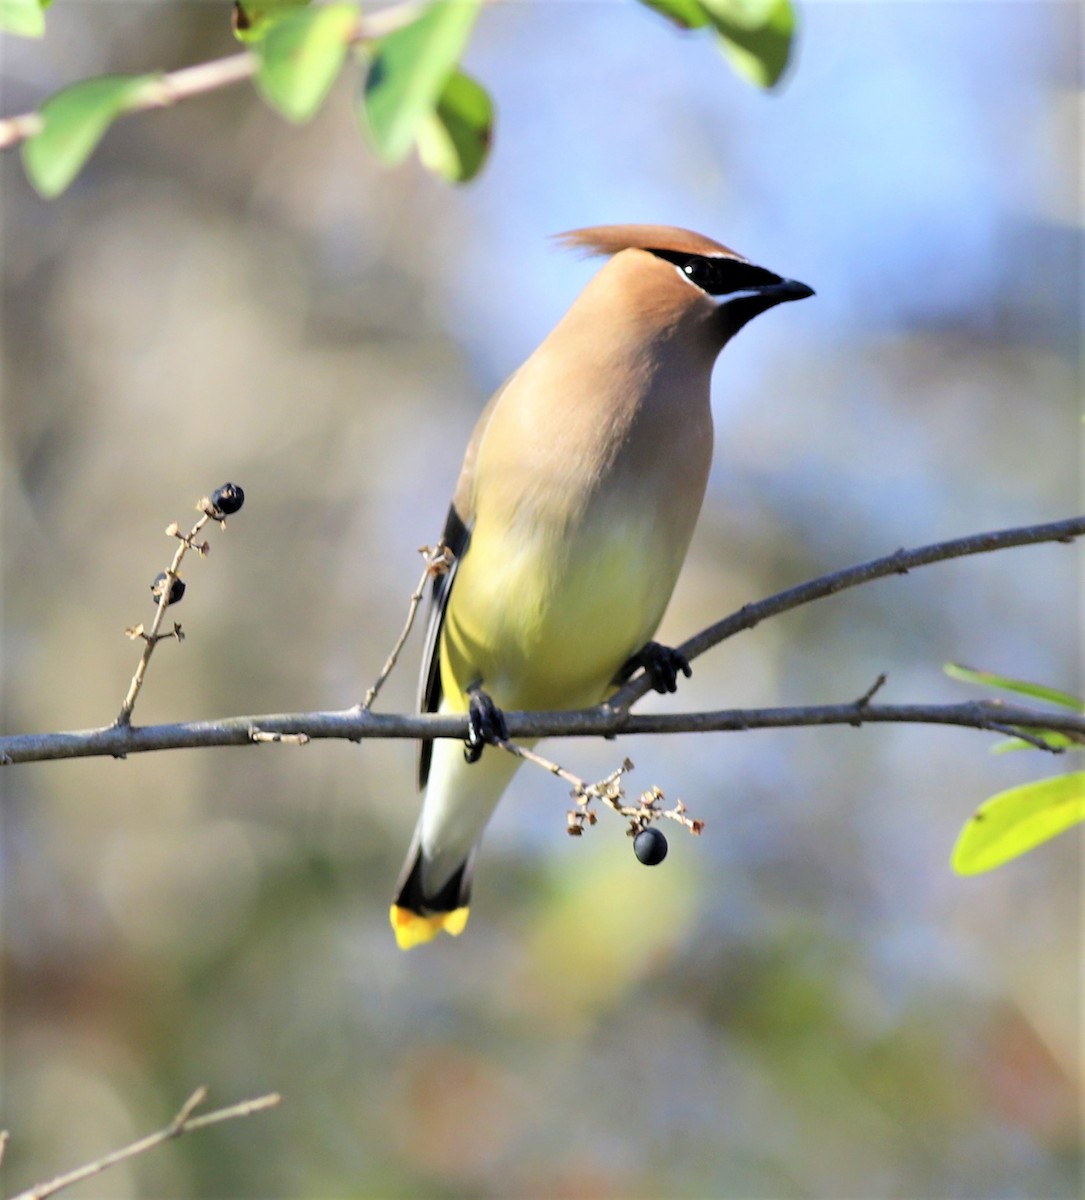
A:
613,717
355,725
899,563
183,1122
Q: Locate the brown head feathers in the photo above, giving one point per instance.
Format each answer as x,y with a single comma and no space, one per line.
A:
609,239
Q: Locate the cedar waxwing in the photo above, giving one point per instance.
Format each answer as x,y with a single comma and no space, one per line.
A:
574,508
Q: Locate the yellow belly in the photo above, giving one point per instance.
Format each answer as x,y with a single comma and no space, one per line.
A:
545,621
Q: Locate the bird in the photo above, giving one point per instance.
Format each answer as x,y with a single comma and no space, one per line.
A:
575,505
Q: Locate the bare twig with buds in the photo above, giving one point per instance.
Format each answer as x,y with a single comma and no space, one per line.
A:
438,559
610,792
168,587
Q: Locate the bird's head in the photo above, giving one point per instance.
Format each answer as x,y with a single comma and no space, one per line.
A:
658,257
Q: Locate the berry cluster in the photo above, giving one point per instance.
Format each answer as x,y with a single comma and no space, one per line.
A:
222,503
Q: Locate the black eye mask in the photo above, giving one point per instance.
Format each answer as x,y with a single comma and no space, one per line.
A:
718,276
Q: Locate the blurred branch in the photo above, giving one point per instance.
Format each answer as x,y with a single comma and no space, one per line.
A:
201,78
183,1122
613,717
157,93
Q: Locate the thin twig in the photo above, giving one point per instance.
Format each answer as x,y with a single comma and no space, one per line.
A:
609,791
232,1113
184,1122
153,637
1023,735
438,559
899,563
865,699
547,764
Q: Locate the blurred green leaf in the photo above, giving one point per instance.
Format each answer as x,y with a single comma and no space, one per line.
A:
22,17
581,958
1015,821
253,18
410,71
74,121
1037,690
688,14
454,139
756,36
301,56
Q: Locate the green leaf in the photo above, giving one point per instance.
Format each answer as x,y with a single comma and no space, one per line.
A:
301,56
410,71
755,35
74,121
1037,690
687,14
22,17
253,18
1013,822
454,139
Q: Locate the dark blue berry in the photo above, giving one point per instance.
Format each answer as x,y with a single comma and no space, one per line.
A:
177,589
227,499
650,846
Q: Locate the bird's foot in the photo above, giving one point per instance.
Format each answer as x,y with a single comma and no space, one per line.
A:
485,725
661,664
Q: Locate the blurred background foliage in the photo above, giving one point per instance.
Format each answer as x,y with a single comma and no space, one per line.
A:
804,1002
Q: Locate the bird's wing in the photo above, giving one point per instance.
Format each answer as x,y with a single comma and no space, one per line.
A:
457,537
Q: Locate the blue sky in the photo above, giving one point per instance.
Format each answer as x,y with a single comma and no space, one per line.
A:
905,146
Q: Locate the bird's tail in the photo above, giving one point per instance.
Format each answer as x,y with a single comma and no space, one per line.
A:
434,889
417,917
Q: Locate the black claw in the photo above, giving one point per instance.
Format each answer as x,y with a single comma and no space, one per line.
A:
485,725
661,664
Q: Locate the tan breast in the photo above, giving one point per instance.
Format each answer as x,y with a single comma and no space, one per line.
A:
588,481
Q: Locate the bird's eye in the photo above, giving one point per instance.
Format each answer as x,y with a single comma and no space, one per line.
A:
698,271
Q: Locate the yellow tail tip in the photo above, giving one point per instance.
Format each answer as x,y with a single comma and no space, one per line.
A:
414,930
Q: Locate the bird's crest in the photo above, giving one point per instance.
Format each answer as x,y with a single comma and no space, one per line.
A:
610,239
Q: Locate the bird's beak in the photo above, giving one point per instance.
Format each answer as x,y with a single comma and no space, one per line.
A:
734,313
786,289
